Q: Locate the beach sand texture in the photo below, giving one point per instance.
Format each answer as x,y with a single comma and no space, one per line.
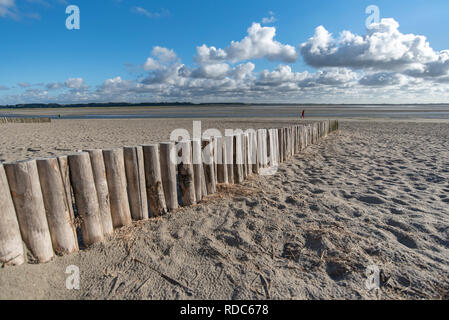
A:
374,193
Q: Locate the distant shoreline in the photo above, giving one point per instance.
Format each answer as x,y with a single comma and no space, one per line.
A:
190,104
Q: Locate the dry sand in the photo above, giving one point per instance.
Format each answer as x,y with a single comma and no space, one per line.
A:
376,192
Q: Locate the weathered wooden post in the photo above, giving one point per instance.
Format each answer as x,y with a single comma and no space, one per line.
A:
86,199
11,248
247,147
118,193
222,168
273,147
292,141
280,142
65,176
198,172
262,148
229,146
269,148
298,141
276,146
60,222
254,153
186,174
135,178
238,159
244,157
214,152
29,204
285,146
153,181
208,164
168,170
101,186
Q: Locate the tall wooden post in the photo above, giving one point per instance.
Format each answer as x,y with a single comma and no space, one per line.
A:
186,174
65,176
86,199
101,185
153,181
197,169
208,164
118,194
229,146
29,204
245,155
135,177
168,170
238,159
11,248
60,223
222,169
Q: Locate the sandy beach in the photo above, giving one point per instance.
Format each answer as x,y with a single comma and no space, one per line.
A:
374,193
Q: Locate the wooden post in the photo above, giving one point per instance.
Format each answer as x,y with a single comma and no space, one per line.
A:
229,146
168,170
289,142
222,168
65,176
298,141
11,248
245,155
254,153
135,178
271,141
283,142
208,164
186,174
101,186
214,152
118,195
269,148
60,222
197,169
280,142
260,148
29,204
274,133
290,134
86,199
153,181
238,159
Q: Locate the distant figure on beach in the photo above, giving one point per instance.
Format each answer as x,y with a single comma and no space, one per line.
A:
303,112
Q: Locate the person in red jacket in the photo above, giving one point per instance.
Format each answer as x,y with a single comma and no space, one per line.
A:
303,111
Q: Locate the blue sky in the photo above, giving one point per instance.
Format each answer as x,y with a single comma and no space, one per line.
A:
107,59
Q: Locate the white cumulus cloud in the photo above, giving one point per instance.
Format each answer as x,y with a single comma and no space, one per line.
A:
384,47
258,44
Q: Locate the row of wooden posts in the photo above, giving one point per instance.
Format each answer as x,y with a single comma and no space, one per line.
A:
45,203
24,120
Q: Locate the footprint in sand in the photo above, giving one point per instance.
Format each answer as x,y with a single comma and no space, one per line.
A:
370,200
336,270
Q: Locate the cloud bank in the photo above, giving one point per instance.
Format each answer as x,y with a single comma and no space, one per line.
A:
384,65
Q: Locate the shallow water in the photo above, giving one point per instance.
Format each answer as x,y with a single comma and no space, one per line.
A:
240,111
